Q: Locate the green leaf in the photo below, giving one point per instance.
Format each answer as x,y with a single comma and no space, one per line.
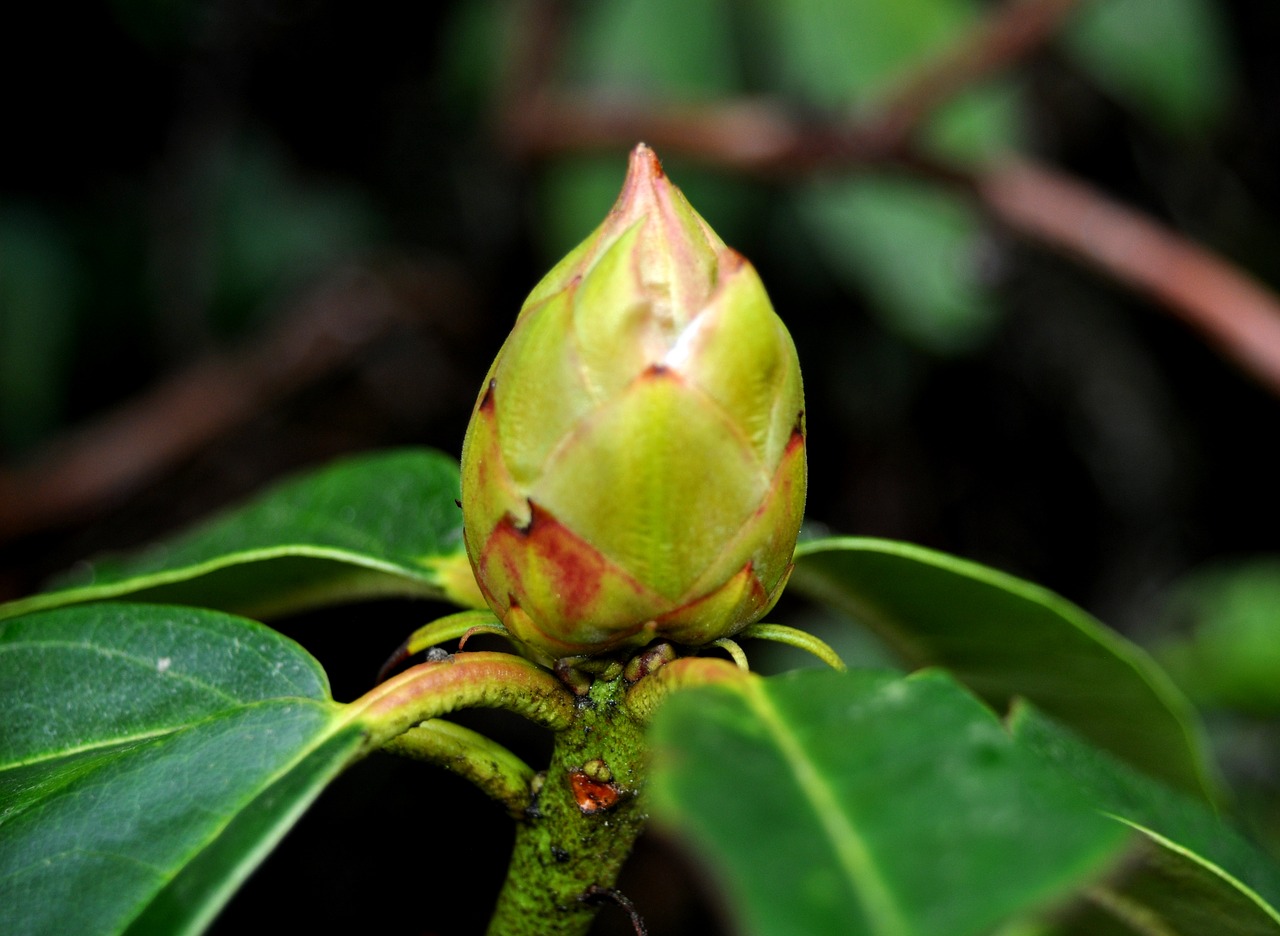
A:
913,247
382,524
836,54
150,756
680,48
868,803
831,51
1004,637
1168,59
1231,657
1191,874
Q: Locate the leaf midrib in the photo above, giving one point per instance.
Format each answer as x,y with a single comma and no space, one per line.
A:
175,575
884,915
127,740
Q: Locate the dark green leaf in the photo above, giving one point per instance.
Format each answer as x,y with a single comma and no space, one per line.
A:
150,756
1169,59
1191,874
378,524
1004,637
869,803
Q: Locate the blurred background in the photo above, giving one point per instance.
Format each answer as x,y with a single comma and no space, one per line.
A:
1026,249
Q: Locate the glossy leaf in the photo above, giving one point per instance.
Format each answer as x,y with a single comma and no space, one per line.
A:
1004,637
868,803
150,756
382,524
1168,60
1190,874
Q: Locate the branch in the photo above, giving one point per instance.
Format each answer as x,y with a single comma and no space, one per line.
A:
1233,311
755,135
85,470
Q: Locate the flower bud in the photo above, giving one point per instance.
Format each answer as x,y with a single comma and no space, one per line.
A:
634,467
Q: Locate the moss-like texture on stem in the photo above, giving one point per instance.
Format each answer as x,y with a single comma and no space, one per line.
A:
583,822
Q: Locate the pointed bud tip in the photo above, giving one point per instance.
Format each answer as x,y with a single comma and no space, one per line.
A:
642,187
645,165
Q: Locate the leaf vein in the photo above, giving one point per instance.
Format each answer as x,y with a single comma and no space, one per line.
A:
885,917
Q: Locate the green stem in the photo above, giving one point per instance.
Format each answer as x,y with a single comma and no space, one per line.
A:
584,820
481,679
437,632
487,764
794,637
586,815
644,697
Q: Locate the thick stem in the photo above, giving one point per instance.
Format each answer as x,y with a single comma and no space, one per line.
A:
586,816
462,680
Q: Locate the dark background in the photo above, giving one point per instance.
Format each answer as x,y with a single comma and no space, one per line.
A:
224,181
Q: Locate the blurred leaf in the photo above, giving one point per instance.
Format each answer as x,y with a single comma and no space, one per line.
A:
837,54
1167,59
980,123
38,274
1004,637
1192,874
474,42
913,247
150,757
868,803
1232,656
654,48
276,228
381,524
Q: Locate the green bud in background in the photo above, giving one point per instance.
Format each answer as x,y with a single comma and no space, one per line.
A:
635,466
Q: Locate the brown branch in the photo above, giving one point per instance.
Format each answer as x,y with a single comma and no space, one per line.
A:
80,473
1233,311
1237,314
754,135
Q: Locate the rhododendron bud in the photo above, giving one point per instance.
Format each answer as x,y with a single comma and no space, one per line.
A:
635,467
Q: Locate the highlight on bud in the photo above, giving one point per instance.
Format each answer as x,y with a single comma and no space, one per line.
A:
635,467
